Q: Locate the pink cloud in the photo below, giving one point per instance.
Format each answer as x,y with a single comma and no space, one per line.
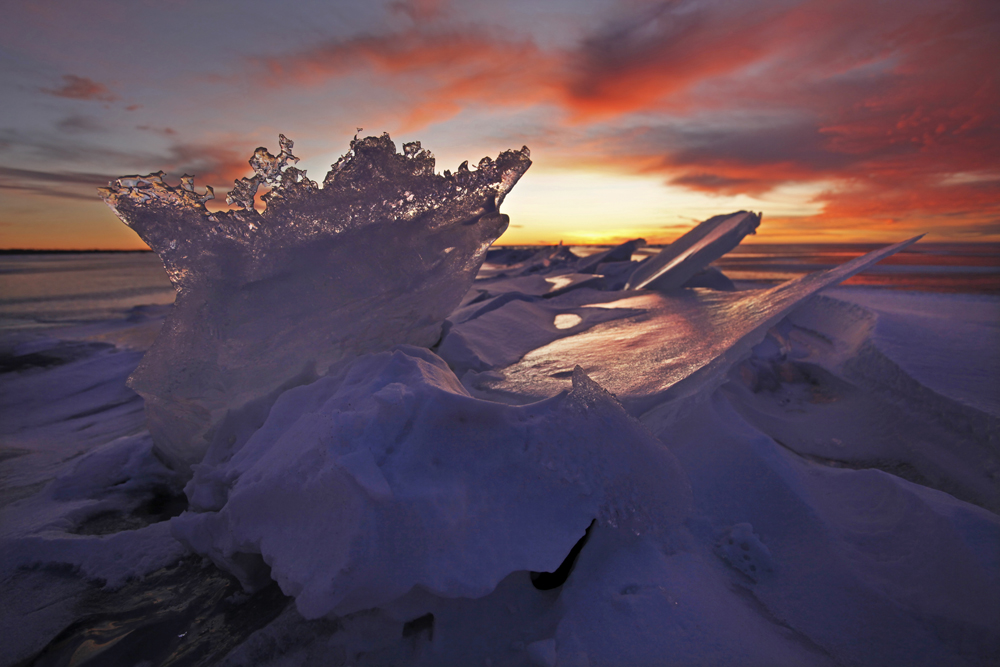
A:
81,88
884,99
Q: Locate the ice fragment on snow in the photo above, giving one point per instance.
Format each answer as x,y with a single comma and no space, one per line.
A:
620,253
711,278
685,257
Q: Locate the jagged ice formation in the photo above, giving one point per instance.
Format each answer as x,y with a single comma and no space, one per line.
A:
377,256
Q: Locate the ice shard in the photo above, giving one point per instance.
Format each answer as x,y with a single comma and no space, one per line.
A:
620,253
688,255
681,345
377,256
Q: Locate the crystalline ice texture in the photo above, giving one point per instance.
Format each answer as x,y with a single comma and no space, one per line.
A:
378,256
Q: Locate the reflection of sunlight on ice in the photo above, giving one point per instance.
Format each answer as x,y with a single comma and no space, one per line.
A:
567,320
558,282
641,300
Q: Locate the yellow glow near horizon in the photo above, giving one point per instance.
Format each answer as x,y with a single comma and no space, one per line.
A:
588,207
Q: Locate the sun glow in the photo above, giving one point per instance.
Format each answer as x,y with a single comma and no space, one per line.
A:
591,207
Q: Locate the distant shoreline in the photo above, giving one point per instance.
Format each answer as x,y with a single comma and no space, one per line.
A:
978,245
31,251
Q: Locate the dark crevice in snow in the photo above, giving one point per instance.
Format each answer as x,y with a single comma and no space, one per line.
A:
62,353
11,494
12,453
546,581
164,503
418,626
135,399
900,469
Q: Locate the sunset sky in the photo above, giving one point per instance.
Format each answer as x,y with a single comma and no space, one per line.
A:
841,120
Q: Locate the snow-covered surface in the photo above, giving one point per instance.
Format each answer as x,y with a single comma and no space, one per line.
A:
397,478
777,477
926,333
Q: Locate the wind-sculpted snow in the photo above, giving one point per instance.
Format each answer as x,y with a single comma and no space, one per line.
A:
820,385
395,477
379,255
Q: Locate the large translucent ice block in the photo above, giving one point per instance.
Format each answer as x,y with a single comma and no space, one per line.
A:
377,256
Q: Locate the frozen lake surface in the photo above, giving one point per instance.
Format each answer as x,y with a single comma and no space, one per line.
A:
348,445
832,480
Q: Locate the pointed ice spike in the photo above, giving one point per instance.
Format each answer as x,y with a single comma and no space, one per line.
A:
620,253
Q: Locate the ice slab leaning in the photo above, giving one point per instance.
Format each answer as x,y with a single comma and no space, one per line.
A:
691,253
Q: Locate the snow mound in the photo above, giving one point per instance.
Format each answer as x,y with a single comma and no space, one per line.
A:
113,480
379,255
819,384
396,478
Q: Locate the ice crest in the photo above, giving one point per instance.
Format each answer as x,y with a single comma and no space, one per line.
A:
268,169
149,188
377,256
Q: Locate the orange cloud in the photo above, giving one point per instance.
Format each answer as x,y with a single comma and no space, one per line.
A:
897,105
440,72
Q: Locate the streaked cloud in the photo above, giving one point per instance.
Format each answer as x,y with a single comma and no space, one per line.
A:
53,184
81,88
840,116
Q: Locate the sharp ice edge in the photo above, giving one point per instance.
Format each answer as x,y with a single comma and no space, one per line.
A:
682,348
378,256
692,252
